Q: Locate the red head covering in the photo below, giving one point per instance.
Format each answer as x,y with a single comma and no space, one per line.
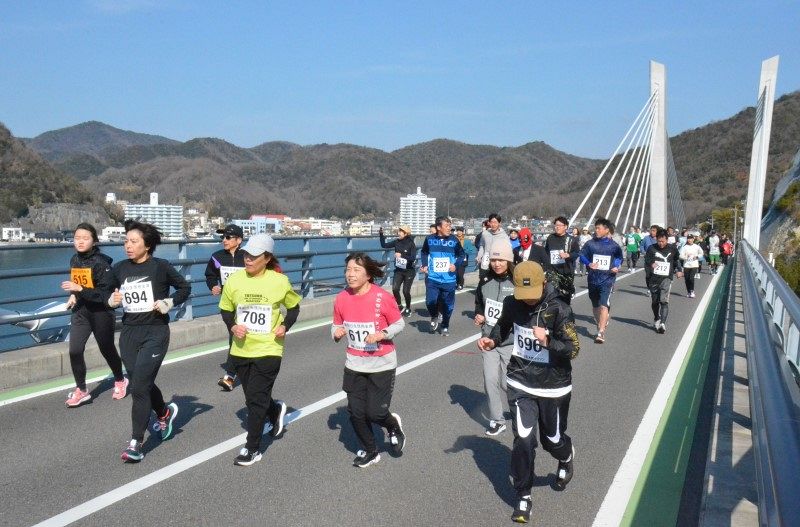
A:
525,238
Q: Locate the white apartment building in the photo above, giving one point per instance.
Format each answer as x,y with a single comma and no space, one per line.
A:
12,234
168,218
418,211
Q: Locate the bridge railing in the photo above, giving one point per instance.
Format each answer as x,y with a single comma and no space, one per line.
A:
311,270
772,318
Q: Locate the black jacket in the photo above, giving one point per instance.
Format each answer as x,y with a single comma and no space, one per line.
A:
568,244
94,298
668,255
537,254
406,247
161,276
217,260
555,316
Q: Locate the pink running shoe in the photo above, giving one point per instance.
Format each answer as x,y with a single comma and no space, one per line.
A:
77,397
120,389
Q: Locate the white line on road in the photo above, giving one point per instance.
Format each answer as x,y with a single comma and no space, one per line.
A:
619,493
129,489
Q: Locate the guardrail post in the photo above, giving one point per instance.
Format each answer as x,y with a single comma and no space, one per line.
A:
307,288
184,312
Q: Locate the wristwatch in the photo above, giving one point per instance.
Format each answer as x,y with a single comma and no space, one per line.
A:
385,334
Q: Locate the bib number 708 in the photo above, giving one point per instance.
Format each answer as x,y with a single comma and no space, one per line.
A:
254,318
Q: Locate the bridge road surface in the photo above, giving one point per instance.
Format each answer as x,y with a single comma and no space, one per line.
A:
55,459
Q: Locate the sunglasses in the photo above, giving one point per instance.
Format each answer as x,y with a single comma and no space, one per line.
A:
230,237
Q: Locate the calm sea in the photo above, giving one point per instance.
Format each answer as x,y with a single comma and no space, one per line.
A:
329,269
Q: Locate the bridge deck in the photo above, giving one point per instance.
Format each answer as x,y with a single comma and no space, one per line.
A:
56,459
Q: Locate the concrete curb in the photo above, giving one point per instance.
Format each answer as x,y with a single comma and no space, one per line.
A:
30,365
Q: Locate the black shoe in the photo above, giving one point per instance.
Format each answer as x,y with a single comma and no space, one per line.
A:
445,332
662,328
564,472
397,437
522,512
434,324
363,459
495,427
407,312
277,421
246,457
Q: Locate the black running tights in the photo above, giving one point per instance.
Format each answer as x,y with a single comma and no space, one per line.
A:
83,323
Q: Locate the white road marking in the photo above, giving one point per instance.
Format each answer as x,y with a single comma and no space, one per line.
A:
129,489
619,493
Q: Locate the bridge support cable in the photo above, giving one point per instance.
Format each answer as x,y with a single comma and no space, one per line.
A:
629,150
644,139
646,107
639,170
676,202
640,218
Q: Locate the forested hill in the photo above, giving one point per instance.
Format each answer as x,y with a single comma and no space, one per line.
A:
346,180
26,180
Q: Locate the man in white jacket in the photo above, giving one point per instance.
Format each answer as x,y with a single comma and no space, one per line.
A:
494,234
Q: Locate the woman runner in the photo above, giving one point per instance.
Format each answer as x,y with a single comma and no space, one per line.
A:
142,284
89,286
369,317
250,306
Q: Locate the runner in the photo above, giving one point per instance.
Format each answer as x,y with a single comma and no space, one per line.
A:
602,256
142,284
405,256
89,287
691,253
563,251
251,309
584,237
221,265
370,319
539,377
513,236
528,250
726,247
441,254
461,269
661,262
492,290
645,244
713,252
632,241
672,236
493,234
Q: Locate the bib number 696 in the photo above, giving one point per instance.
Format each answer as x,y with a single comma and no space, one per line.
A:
528,344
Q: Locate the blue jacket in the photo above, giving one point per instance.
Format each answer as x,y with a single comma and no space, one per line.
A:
602,247
646,242
435,247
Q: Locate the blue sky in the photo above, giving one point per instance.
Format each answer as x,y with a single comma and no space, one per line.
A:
386,74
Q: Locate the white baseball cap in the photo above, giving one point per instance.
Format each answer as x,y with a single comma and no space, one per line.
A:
259,244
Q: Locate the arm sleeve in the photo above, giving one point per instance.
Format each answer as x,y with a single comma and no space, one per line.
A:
291,316
212,272
564,342
338,319
103,285
394,328
424,253
480,304
229,318
384,243
618,257
649,258
574,250
182,287
461,256
585,253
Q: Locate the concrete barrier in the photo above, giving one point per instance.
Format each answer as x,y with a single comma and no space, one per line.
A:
41,363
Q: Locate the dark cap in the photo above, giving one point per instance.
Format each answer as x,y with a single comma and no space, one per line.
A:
232,230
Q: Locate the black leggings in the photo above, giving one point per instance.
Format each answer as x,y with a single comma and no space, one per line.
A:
688,278
258,377
403,278
143,349
83,323
368,399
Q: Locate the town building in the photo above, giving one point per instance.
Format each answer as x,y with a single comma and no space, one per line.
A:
168,218
418,211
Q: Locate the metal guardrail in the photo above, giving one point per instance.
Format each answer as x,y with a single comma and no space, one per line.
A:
772,315
298,263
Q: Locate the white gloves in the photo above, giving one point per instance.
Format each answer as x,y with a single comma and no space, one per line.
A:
163,306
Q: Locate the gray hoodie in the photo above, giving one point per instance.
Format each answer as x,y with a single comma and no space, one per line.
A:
488,240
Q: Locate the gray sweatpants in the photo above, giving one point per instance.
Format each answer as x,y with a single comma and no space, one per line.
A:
495,363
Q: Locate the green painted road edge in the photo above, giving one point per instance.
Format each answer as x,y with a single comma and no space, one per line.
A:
656,497
105,373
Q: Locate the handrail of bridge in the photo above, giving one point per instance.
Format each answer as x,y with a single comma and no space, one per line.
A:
772,315
307,283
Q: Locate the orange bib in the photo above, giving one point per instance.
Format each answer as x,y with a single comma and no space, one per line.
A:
82,276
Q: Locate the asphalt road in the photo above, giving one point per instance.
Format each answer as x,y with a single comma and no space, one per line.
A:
54,459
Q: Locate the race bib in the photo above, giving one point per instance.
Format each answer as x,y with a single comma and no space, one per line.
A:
555,258
81,276
225,271
714,251
485,260
400,263
492,311
603,262
442,265
357,333
137,297
527,346
257,318
661,269
671,240
631,240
